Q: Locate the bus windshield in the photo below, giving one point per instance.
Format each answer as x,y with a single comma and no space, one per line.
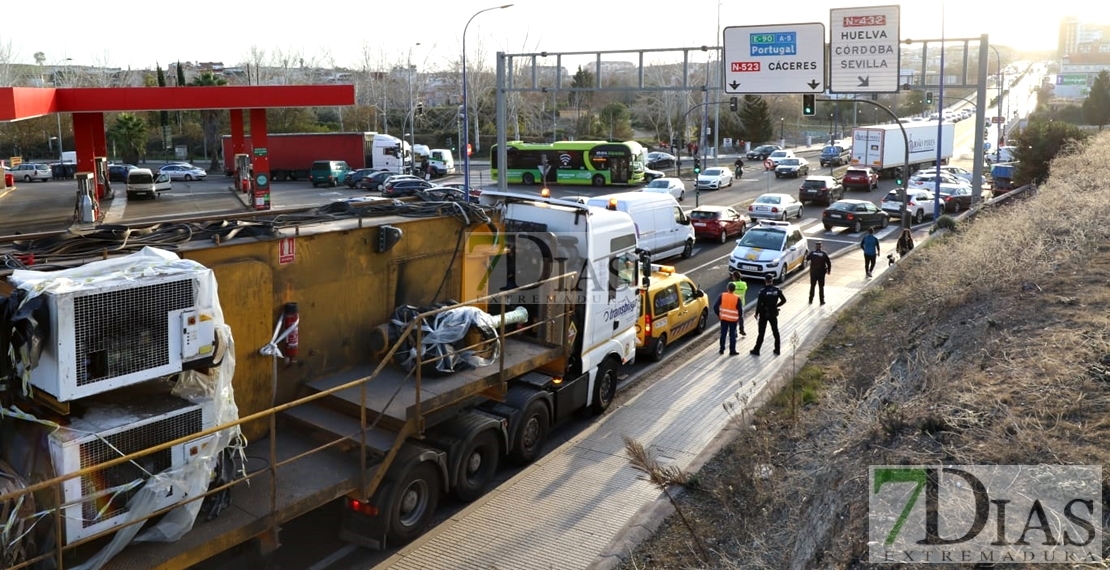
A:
596,163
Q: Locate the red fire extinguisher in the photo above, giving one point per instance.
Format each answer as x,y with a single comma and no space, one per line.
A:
291,324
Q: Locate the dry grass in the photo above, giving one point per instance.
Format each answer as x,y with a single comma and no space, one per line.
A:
988,345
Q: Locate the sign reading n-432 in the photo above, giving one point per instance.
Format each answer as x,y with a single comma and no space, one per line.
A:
786,58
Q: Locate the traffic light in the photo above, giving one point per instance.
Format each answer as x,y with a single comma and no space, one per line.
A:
928,97
732,105
809,106
419,108
697,165
898,177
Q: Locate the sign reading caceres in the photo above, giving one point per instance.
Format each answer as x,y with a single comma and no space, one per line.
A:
864,53
787,58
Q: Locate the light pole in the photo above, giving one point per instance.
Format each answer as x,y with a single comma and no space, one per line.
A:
58,116
465,145
782,137
412,113
999,79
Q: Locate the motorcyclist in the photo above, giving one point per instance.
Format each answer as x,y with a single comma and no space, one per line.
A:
739,165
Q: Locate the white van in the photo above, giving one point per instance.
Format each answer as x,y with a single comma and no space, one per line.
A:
143,182
662,228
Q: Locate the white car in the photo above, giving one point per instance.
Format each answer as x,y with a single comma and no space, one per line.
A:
672,186
954,171
919,204
778,155
29,172
770,248
183,171
714,179
775,207
928,180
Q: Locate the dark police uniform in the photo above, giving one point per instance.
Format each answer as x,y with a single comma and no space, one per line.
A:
767,310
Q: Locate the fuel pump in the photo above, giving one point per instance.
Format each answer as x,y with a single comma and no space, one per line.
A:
87,209
103,184
243,169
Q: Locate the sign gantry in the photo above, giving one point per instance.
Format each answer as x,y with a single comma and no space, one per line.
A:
787,58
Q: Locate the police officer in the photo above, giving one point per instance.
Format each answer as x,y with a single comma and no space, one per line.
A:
820,265
727,308
767,311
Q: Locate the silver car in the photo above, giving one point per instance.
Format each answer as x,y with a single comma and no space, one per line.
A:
775,207
29,172
182,171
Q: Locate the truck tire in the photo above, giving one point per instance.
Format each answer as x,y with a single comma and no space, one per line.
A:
413,503
605,385
531,433
477,467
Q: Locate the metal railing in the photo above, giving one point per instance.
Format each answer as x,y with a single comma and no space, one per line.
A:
412,331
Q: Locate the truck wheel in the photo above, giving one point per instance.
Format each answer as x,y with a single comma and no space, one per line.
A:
605,385
531,433
477,467
412,504
528,178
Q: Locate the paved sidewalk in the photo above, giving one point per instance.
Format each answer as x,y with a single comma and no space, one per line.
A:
581,506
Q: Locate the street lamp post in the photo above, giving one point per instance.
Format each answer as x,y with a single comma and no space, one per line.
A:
412,113
465,146
999,78
58,116
782,126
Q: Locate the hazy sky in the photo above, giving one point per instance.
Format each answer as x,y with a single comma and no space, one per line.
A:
130,33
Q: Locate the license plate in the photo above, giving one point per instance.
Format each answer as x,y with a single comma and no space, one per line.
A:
835,216
699,224
763,208
749,267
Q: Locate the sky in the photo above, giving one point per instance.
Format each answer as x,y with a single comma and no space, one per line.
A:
138,34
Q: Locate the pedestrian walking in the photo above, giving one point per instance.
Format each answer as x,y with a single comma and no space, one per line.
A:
820,265
727,308
767,311
741,291
870,246
905,243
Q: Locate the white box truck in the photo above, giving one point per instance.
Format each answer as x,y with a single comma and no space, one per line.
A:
883,148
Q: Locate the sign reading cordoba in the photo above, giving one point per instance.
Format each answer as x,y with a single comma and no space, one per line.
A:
864,52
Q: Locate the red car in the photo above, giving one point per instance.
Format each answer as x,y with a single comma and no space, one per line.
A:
860,177
718,222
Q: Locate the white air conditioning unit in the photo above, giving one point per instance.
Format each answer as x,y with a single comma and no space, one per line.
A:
124,332
114,425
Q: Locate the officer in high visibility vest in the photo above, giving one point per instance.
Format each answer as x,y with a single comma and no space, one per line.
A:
727,308
742,292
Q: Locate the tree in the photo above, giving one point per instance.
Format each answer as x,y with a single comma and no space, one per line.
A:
210,118
180,75
129,134
582,79
755,115
1096,108
1038,144
40,58
615,122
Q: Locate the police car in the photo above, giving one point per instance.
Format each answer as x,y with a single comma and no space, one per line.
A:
771,248
673,307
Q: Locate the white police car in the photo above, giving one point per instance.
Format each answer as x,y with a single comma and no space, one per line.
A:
770,248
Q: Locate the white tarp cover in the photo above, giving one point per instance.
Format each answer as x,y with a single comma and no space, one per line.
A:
212,390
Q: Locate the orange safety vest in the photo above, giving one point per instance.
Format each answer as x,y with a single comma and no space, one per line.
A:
729,311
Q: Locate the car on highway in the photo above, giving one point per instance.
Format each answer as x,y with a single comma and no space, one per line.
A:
31,171
673,186
823,189
792,167
855,214
650,174
673,307
919,204
762,152
954,171
775,206
118,172
928,179
779,156
353,177
956,200
714,179
770,248
862,177
374,181
659,160
406,187
183,171
718,222
835,155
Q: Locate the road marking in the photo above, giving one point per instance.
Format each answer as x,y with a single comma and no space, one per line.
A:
114,215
